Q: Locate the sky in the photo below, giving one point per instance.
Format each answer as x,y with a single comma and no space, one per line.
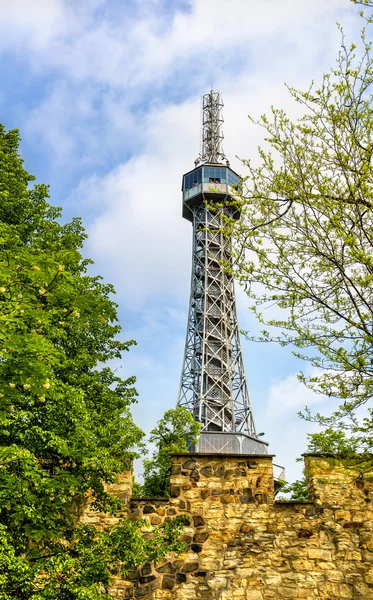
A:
107,96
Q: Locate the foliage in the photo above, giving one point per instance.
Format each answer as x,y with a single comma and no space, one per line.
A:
173,433
136,488
297,490
65,427
83,567
365,4
305,239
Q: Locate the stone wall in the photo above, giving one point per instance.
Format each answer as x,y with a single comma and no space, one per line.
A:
121,489
241,544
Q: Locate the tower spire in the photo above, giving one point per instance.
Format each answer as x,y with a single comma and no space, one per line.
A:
213,383
212,128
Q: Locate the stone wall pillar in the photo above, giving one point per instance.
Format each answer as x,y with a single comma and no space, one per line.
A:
122,489
331,482
230,479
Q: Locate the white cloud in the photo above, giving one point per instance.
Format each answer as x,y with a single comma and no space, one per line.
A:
127,48
290,395
138,233
32,25
56,133
286,431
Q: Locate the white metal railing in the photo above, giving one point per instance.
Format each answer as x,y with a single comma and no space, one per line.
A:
278,472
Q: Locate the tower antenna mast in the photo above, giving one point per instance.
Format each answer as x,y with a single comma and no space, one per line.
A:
212,128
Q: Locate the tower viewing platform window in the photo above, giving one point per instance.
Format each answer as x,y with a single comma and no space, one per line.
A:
214,175
192,179
233,179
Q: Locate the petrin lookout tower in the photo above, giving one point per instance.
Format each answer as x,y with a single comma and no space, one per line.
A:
213,384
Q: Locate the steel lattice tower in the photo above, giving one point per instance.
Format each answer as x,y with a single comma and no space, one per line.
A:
213,384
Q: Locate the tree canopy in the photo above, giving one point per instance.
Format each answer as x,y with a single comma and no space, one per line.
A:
304,242
65,424
173,433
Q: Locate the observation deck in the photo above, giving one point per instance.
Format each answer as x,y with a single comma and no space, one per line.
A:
206,182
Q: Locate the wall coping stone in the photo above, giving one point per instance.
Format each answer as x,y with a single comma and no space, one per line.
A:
340,457
222,455
148,499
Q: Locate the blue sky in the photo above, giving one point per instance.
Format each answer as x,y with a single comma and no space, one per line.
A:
106,94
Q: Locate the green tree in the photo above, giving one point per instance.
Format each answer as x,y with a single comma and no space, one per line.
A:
298,489
304,242
65,426
173,433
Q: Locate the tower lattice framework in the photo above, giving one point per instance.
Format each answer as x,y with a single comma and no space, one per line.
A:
213,384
